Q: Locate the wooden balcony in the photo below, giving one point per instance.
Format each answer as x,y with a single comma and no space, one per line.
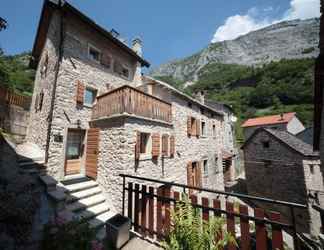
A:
129,100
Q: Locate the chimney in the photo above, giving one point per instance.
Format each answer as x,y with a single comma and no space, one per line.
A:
281,117
200,96
137,46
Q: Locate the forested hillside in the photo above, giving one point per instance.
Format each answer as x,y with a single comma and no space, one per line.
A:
15,73
276,87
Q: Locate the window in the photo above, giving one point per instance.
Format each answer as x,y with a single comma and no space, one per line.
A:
121,70
214,130
144,143
89,96
205,165
266,144
203,128
311,169
94,54
216,165
189,105
202,111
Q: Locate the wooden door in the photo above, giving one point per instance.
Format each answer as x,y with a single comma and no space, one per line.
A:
92,152
74,151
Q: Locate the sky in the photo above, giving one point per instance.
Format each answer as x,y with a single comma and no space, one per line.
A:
170,29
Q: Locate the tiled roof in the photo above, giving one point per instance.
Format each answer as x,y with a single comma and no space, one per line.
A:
268,120
293,142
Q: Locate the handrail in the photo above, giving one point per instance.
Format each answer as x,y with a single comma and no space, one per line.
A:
267,200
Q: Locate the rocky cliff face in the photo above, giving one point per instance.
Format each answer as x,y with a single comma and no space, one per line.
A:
286,40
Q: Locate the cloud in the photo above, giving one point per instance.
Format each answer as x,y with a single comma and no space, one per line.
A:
238,25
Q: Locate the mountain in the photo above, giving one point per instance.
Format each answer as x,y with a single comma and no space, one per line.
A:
16,74
294,39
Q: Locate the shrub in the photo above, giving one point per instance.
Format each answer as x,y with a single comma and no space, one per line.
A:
74,235
190,232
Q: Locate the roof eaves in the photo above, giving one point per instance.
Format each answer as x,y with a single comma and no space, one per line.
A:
184,95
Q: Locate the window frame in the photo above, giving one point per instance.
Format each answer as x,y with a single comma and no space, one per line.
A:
123,67
205,160
92,47
148,147
203,132
93,90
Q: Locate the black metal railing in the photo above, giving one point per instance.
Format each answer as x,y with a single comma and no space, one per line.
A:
168,199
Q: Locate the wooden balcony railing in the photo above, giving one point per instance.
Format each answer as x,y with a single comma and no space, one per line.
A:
129,100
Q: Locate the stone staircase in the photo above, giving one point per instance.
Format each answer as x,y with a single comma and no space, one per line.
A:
84,200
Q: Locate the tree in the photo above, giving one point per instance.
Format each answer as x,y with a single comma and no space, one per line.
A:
3,24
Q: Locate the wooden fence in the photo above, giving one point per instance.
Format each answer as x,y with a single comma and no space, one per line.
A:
149,208
10,98
130,100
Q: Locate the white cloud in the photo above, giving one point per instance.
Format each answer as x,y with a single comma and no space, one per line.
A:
238,25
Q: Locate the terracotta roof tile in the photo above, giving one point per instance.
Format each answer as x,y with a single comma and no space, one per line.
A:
268,120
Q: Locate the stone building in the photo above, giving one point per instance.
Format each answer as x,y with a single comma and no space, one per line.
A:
95,115
287,122
280,166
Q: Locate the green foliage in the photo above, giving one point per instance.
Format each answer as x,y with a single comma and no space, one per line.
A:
15,74
284,86
190,232
308,50
74,235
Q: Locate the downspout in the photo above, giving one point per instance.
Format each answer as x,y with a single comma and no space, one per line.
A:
57,69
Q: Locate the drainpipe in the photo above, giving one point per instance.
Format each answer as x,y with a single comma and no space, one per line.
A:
57,67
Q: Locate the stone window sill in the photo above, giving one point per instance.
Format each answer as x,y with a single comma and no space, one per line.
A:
144,157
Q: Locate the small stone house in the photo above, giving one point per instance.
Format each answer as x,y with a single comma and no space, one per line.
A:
287,122
94,114
280,166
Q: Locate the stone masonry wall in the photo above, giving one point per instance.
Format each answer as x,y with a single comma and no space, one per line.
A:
117,147
38,121
276,172
76,66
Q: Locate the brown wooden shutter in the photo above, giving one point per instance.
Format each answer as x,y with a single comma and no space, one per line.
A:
165,145
138,145
155,145
198,124
80,92
194,128
172,145
189,173
198,174
189,126
92,152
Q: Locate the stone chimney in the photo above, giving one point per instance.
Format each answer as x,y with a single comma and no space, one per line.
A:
200,96
137,47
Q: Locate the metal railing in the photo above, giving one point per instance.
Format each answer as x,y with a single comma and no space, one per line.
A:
138,197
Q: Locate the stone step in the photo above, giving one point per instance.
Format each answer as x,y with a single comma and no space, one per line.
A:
83,194
86,203
22,159
49,182
100,220
30,164
81,186
93,211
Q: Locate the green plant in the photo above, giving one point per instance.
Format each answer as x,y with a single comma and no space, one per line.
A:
190,232
73,235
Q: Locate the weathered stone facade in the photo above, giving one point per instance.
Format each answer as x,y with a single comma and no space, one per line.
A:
274,169
64,63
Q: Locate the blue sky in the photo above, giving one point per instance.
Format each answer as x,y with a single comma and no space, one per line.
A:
170,28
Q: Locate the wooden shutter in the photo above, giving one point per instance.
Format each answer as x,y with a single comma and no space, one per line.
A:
172,145
138,145
189,173
92,152
80,92
165,145
155,145
198,174
194,127
189,126
198,124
